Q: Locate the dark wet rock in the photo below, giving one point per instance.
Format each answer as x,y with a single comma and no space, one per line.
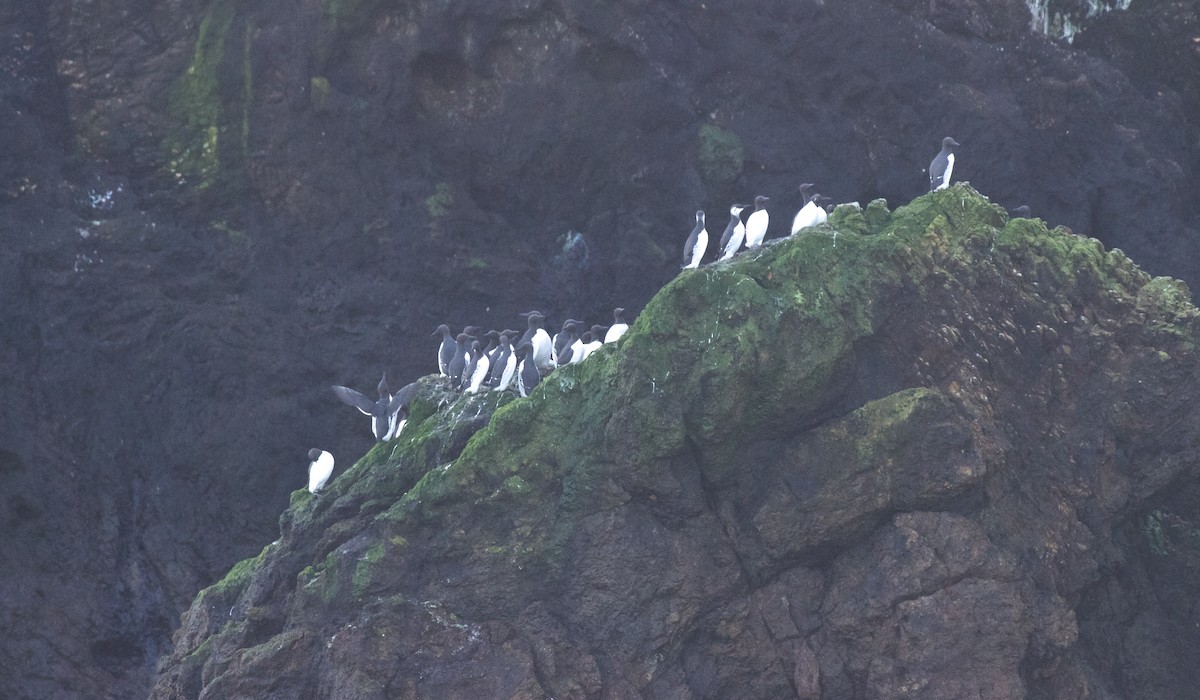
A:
212,211
1154,43
932,461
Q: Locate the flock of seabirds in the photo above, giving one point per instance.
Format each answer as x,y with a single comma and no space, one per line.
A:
510,359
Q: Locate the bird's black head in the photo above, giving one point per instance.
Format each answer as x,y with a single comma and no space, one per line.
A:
760,201
314,454
442,330
949,143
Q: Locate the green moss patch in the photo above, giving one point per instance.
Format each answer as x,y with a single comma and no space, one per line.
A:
209,104
721,156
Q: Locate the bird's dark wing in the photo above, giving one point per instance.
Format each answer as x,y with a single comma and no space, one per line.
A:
403,396
353,398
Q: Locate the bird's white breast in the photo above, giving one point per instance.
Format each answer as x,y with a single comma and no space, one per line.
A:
319,471
699,248
756,228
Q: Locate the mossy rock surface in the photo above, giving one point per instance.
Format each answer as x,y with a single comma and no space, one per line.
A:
841,424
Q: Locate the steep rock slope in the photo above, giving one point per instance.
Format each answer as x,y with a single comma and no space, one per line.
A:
927,453
212,210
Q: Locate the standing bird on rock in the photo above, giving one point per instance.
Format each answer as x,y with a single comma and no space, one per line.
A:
458,363
618,328
527,371
942,166
478,371
756,225
505,365
320,467
697,243
493,343
735,233
807,216
596,334
562,340
537,337
583,347
570,335
385,412
447,348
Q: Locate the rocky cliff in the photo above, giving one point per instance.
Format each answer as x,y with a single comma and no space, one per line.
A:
929,453
211,210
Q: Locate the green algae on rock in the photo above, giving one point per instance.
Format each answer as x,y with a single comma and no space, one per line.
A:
895,394
721,156
210,103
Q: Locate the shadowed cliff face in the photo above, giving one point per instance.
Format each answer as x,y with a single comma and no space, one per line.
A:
914,459
212,211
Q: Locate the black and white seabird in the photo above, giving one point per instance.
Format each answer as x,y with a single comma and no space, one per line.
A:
565,341
942,166
562,340
489,351
756,225
528,375
618,328
580,350
823,210
505,365
478,371
697,243
597,339
537,336
493,342
458,363
447,348
320,467
472,358
576,349
735,233
811,213
385,413
567,355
